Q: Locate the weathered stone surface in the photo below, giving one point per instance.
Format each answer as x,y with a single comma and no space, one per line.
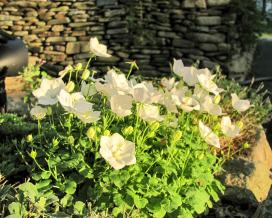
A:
208,47
218,2
205,37
106,2
248,178
73,48
209,20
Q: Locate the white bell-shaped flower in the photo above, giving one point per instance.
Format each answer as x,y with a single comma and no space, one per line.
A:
168,83
121,105
208,135
88,89
207,83
177,67
98,49
238,104
207,105
150,113
48,91
189,104
117,151
228,128
38,112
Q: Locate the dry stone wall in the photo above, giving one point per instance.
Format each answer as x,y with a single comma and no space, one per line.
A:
150,32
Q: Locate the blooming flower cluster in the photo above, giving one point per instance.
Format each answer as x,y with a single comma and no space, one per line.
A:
192,90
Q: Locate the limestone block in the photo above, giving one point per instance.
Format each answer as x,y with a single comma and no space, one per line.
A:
209,20
218,2
73,48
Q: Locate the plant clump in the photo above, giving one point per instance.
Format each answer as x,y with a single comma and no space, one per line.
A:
123,146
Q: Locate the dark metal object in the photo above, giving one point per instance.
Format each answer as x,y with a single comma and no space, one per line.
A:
13,57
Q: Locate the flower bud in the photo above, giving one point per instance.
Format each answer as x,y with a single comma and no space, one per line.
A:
107,133
217,99
154,126
201,156
79,67
55,142
70,86
128,130
240,124
33,154
91,133
246,146
29,138
177,136
49,111
71,140
86,74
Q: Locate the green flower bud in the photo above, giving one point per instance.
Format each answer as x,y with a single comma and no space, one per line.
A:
71,140
246,146
49,111
177,136
217,99
70,86
33,154
107,133
201,156
154,126
240,124
86,74
29,138
128,130
79,66
91,133
55,142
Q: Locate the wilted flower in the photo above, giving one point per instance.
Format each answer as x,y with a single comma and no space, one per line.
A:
150,113
87,89
121,105
49,90
210,137
239,105
228,129
38,112
117,151
98,49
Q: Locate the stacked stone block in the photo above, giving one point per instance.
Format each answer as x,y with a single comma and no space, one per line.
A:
150,32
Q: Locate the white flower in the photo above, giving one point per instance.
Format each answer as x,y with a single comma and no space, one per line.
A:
206,82
117,151
49,90
208,106
75,103
150,113
210,137
98,49
177,67
228,129
189,104
145,92
200,93
38,112
168,83
169,102
189,75
87,89
121,105
239,105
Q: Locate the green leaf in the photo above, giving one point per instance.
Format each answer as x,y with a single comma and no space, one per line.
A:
46,174
15,208
67,200
79,207
159,213
29,190
70,187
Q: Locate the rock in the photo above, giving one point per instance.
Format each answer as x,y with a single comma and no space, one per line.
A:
205,37
208,47
73,48
218,2
201,3
106,2
188,4
209,20
248,178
